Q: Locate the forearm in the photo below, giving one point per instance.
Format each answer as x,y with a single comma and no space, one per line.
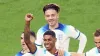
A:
27,32
82,43
30,45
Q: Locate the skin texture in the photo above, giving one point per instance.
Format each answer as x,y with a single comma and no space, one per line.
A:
49,41
23,44
97,42
31,46
25,49
51,16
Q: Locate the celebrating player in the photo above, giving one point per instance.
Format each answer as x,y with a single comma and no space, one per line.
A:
96,50
49,38
51,13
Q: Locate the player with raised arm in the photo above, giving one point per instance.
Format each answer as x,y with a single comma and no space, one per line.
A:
49,38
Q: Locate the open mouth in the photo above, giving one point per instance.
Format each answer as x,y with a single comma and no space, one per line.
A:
47,45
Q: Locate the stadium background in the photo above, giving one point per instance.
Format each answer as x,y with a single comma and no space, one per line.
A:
82,14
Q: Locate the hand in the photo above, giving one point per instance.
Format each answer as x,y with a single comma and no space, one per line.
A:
60,52
76,54
28,17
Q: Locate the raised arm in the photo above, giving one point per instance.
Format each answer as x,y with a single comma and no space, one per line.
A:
30,45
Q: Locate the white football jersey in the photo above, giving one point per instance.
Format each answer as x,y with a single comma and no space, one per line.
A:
63,35
93,52
43,52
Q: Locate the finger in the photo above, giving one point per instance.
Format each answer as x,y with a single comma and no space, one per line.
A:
30,15
60,53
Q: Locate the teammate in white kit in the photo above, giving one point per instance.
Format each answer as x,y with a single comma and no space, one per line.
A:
49,39
96,50
51,13
25,49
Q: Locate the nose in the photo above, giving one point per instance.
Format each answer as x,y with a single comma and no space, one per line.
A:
50,17
47,42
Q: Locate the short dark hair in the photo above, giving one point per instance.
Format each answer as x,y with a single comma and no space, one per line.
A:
32,33
97,33
49,32
51,6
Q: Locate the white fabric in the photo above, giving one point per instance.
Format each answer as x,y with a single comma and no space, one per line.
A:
63,38
93,52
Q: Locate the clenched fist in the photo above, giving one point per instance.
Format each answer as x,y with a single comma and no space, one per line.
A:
28,17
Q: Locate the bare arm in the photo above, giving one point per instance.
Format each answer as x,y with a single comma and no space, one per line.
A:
30,45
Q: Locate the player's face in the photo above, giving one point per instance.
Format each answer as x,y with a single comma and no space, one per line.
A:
97,42
51,17
24,46
49,42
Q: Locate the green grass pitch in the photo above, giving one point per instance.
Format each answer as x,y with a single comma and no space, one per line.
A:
82,14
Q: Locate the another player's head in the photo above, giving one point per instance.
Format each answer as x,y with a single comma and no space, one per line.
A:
97,38
32,39
51,12
49,40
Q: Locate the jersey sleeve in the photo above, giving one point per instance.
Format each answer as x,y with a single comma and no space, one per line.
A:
39,39
73,32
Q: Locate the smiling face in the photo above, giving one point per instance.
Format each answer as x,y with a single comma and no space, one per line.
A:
97,39
51,17
97,42
49,42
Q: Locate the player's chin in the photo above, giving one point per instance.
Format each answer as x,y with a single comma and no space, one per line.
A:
48,49
51,24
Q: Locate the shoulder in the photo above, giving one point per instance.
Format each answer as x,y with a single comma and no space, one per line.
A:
93,51
19,54
63,27
44,28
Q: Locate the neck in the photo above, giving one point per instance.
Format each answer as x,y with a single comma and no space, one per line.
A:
53,26
53,50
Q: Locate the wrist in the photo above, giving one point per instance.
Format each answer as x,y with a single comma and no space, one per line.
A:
27,22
